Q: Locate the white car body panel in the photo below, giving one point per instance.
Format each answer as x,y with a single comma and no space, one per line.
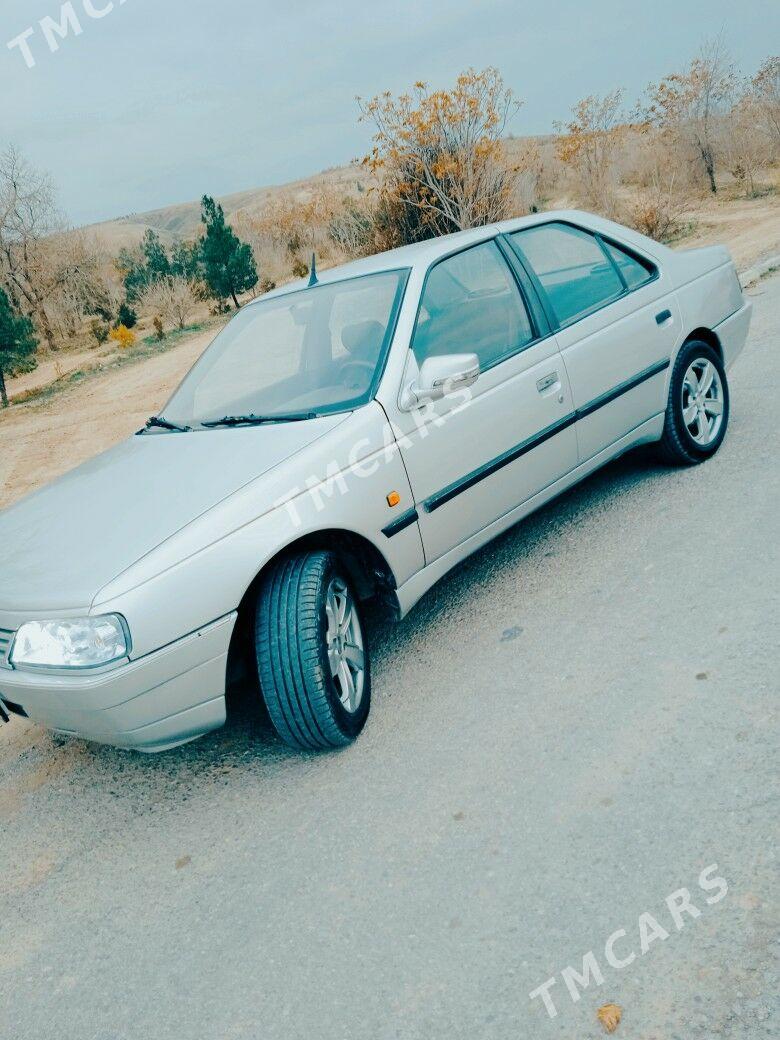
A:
171,531
504,409
410,593
223,550
76,535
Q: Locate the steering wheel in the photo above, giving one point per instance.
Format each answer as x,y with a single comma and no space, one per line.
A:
359,365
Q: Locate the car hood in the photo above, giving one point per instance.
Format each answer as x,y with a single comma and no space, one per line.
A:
62,544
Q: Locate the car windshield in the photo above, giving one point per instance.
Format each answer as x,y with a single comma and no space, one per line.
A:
314,351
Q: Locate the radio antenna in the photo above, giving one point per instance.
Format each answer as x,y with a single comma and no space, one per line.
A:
313,275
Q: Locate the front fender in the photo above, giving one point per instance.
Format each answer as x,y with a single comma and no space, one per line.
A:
203,572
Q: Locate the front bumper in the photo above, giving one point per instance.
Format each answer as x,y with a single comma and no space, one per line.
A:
151,704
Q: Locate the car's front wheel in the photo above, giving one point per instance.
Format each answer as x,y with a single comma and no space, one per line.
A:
697,411
312,660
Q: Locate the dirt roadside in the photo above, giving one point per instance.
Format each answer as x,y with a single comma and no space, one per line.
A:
41,440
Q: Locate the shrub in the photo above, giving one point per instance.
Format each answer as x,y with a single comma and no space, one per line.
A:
266,285
299,268
127,316
100,331
659,209
173,299
123,337
158,328
352,230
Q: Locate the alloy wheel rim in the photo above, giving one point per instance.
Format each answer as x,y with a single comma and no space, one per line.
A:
702,402
344,642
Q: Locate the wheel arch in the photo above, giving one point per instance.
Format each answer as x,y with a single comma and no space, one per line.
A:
367,568
707,336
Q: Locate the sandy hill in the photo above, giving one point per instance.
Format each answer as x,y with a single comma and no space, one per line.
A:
182,221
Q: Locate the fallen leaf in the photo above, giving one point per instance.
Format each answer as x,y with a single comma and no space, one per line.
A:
609,1015
183,862
459,815
701,675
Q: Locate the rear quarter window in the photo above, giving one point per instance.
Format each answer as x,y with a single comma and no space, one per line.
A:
635,271
574,271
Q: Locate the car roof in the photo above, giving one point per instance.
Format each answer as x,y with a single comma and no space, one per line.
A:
423,254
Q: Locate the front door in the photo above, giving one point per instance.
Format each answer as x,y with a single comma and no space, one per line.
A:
476,455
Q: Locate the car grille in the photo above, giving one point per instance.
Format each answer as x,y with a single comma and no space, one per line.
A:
5,646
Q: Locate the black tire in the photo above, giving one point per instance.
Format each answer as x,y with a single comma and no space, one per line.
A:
291,625
678,446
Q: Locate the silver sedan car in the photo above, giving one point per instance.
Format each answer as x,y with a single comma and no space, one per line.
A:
344,440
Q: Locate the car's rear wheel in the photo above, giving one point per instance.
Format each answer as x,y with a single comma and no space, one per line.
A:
312,661
697,411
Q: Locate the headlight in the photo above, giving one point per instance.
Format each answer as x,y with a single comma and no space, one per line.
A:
71,643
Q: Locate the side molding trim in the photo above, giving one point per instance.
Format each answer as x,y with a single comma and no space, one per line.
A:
464,483
401,523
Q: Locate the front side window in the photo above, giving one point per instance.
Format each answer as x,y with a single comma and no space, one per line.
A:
471,305
572,268
317,350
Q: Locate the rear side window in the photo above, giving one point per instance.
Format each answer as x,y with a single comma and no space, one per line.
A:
634,272
571,265
471,305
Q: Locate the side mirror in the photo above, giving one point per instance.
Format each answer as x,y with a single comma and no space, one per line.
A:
440,376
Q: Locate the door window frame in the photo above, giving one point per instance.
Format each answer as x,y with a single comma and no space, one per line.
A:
555,323
537,314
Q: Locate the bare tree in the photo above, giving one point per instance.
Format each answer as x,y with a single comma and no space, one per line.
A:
747,150
590,145
689,106
172,299
28,217
84,283
765,95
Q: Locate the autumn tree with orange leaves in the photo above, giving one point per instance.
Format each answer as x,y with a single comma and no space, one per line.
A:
688,107
439,157
590,145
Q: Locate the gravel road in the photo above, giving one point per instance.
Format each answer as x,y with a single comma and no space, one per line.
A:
569,728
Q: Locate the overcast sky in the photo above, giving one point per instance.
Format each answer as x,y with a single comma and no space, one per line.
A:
161,100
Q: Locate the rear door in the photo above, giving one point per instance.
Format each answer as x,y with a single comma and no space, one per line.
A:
472,460
617,325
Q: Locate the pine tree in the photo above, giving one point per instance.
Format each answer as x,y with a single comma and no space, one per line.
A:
185,261
157,263
17,344
228,263
142,266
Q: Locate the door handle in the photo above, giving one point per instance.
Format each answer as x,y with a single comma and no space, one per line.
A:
662,317
546,382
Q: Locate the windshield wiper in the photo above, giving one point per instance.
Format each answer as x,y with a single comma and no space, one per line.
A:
158,422
258,420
